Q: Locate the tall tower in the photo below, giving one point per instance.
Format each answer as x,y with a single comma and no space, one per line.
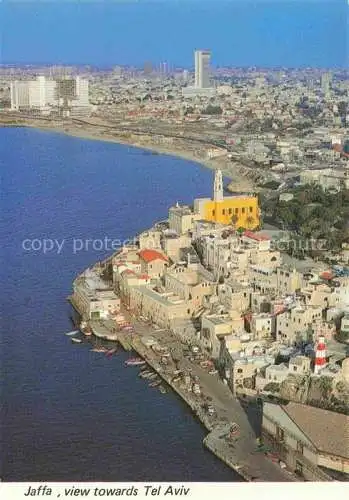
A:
218,186
326,80
320,354
202,69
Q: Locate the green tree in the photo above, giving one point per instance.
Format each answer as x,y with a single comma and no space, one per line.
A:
212,110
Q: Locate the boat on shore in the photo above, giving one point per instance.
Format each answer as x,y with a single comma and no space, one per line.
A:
155,384
135,362
162,389
76,341
70,334
110,352
99,349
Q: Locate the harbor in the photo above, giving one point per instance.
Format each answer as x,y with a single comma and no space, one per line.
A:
162,356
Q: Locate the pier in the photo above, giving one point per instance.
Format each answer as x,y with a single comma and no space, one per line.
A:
240,452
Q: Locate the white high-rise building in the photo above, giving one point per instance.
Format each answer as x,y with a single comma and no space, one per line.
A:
202,69
81,93
202,85
19,95
47,94
326,80
42,93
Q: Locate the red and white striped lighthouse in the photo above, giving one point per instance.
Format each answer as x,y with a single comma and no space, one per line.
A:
320,354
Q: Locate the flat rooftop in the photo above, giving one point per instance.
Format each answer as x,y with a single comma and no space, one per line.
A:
165,299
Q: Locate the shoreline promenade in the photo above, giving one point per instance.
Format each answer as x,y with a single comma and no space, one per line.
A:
240,453
182,148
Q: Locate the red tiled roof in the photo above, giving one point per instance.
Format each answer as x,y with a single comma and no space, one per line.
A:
255,236
150,255
339,149
326,275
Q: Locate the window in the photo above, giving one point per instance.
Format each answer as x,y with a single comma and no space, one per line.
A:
299,468
230,211
251,210
213,213
223,211
300,447
243,210
239,370
280,435
236,211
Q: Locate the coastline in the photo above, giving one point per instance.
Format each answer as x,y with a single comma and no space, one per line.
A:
239,455
238,181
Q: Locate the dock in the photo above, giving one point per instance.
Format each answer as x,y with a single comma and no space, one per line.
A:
100,330
238,454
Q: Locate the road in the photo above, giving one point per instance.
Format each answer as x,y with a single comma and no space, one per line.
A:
228,410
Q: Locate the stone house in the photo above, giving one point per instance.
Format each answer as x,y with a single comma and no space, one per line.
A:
153,262
312,442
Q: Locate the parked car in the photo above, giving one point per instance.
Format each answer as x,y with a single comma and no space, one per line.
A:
213,372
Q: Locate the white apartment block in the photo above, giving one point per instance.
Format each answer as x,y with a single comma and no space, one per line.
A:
202,69
262,325
181,219
292,325
46,94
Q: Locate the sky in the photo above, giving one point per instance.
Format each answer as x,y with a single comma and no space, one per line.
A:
263,33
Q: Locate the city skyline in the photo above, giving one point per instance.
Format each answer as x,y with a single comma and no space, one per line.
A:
252,33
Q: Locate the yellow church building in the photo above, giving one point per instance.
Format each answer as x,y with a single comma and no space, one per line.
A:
238,210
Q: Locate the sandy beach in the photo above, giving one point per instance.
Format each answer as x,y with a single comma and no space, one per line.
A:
181,148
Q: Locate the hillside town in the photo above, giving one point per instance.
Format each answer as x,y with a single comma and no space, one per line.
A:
240,302
271,329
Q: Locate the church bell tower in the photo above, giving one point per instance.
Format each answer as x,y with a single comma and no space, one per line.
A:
218,186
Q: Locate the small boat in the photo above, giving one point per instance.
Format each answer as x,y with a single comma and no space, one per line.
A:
110,352
99,349
76,341
162,389
152,376
155,384
69,334
135,363
145,374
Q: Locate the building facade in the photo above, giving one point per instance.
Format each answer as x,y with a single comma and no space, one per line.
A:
304,438
202,69
46,95
240,211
